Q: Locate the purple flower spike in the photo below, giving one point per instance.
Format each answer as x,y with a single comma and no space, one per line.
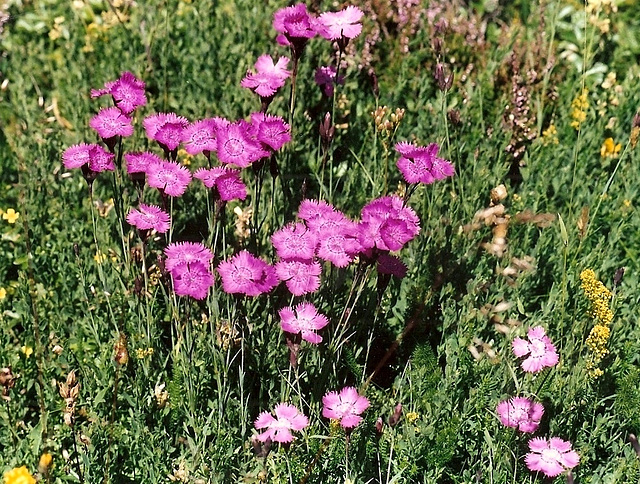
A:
304,320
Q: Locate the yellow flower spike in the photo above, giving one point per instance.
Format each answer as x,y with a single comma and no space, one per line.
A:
19,475
11,216
3,293
609,149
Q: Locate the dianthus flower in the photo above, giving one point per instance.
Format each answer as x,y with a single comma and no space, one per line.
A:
166,129
110,122
326,79
389,264
311,209
551,457
344,24
192,279
179,253
127,92
420,164
279,429
140,162
148,217
169,177
520,413
236,145
300,277
200,137
338,247
345,406
542,353
295,26
93,156
246,274
303,319
387,224
269,76
225,181
294,241
19,475
271,131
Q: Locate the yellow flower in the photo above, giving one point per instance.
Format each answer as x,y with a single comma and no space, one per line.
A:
27,350
412,416
19,475
45,463
609,149
11,216
100,257
3,293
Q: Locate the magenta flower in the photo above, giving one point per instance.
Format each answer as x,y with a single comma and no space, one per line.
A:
304,320
140,162
169,177
279,429
200,136
246,274
227,182
192,279
345,406
100,159
127,92
343,24
110,122
166,129
325,78
551,457
312,209
419,164
542,353
387,224
338,247
269,76
520,413
294,241
300,277
76,156
179,253
295,25
236,146
148,217
270,130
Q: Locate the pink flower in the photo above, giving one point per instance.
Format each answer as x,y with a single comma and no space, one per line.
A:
169,177
325,78
304,319
100,159
127,92
148,217
76,156
343,24
386,223
294,241
294,24
542,353
270,130
246,274
345,406
279,429
140,162
300,277
166,129
227,182
338,247
269,76
520,413
192,279
200,136
110,122
236,146
419,164
179,253
551,457
312,209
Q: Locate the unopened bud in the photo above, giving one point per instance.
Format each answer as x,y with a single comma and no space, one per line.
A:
327,130
444,79
121,355
454,117
379,426
395,417
374,82
617,277
636,121
634,442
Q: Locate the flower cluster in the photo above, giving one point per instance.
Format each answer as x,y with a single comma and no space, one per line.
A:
600,298
188,263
